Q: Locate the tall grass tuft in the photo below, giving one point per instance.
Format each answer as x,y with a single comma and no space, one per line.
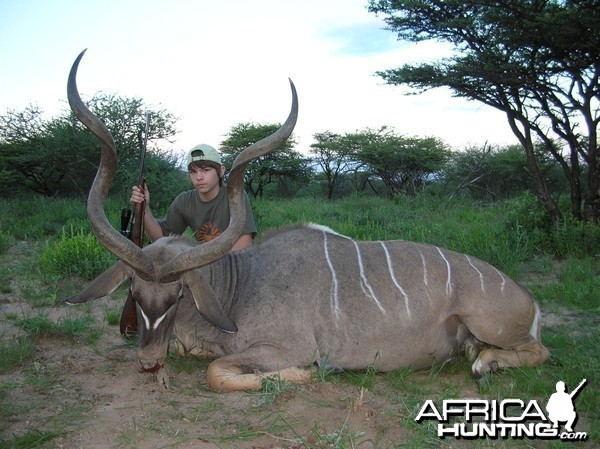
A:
76,252
6,241
14,352
66,327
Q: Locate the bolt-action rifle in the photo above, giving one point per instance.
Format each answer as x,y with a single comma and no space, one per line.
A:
134,230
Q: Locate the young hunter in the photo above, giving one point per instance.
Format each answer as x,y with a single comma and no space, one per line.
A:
205,209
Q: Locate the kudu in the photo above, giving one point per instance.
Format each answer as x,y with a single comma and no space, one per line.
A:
306,295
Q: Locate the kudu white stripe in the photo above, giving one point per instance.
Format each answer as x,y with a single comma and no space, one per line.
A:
156,323
334,299
364,283
503,279
480,273
425,277
449,278
393,276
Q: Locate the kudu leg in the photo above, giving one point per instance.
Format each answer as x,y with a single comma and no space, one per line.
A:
240,372
515,342
491,359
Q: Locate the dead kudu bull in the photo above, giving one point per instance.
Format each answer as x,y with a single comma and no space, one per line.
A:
306,295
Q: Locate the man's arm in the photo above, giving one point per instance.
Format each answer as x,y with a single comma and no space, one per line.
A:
153,229
244,241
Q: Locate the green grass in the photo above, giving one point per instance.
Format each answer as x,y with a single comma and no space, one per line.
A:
112,315
14,352
69,327
31,439
36,217
578,286
6,241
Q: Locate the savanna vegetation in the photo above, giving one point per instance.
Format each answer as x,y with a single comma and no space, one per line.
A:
531,210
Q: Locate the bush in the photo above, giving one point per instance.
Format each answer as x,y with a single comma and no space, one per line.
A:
525,216
77,252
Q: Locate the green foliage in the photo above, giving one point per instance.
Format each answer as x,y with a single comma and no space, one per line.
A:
75,253
402,163
272,388
60,157
458,225
364,379
494,173
284,165
568,237
164,177
112,316
510,56
35,325
333,158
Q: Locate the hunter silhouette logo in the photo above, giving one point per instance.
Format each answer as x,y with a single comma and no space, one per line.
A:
508,418
560,405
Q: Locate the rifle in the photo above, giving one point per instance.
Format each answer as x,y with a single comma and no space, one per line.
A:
128,323
136,232
576,390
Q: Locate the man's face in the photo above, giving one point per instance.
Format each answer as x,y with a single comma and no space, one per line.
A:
205,179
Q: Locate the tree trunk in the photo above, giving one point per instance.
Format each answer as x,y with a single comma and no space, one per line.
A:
539,184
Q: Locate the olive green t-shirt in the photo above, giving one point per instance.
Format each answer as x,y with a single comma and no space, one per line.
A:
206,220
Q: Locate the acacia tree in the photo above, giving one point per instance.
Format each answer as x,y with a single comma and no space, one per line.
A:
536,60
402,163
333,158
283,165
59,156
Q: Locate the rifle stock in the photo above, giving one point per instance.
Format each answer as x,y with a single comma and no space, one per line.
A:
128,321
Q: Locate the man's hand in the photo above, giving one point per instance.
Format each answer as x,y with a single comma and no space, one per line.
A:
137,196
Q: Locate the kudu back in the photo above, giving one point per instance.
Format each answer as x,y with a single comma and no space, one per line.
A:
306,295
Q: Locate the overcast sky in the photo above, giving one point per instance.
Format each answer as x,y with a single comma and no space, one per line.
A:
215,64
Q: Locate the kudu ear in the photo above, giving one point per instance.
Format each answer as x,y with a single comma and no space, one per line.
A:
207,302
103,285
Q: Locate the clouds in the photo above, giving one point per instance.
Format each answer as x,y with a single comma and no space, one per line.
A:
216,64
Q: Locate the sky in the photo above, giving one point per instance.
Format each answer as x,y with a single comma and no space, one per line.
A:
215,64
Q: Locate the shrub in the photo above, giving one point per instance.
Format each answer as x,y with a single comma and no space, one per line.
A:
525,216
77,252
